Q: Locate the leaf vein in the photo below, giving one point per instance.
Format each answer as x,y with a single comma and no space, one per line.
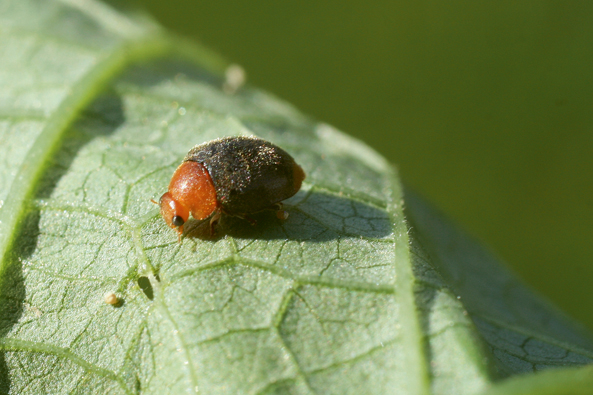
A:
11,344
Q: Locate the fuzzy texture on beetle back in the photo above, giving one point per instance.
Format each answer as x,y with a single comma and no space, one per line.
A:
249,174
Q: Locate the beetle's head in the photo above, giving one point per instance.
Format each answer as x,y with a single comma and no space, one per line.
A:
174,213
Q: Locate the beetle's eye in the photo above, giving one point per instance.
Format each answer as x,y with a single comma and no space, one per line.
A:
177,221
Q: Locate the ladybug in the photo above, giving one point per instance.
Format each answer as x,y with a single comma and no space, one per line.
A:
232,175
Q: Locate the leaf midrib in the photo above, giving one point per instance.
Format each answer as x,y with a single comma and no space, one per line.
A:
413,341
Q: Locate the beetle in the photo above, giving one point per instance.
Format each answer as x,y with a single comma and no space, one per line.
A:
236,176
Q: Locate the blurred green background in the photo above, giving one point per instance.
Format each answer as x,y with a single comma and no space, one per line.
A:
486,106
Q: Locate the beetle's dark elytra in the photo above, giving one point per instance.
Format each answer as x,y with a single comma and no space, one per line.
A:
248,173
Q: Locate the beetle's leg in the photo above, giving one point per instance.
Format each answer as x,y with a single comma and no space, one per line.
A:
214,221
246,218
280,212
179,232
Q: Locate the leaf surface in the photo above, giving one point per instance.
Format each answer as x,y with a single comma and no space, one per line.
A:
344,297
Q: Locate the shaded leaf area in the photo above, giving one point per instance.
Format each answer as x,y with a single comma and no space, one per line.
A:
337,299
523,332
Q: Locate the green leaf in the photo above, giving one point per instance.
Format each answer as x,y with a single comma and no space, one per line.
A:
568,381
96,111
521,332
